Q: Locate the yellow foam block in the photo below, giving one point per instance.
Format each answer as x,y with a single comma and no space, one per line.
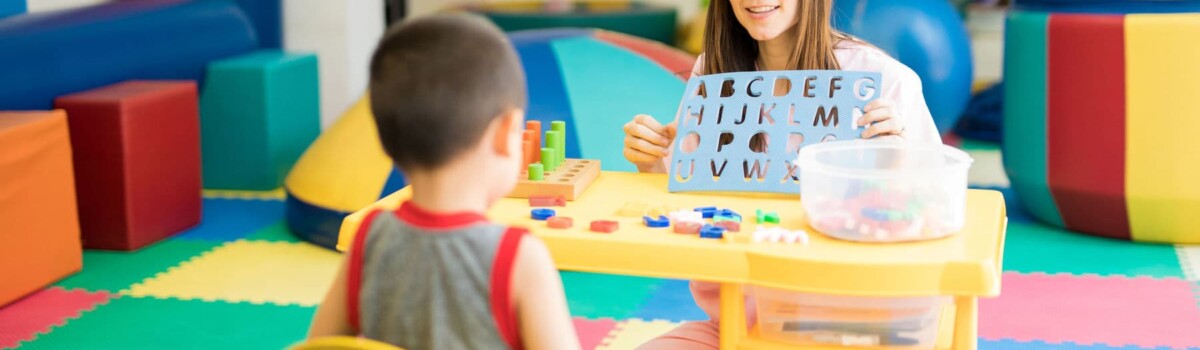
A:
630,334
233,194
346,168
249,271
1162,80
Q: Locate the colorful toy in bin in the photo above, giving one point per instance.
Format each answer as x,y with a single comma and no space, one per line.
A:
884,191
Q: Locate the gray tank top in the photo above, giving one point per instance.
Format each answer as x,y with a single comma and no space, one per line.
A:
433,281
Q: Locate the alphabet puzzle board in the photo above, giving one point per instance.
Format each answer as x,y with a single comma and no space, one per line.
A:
776,112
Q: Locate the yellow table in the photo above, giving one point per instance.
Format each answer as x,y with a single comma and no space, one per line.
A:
966,265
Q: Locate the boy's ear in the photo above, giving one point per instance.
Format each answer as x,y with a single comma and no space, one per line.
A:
508,126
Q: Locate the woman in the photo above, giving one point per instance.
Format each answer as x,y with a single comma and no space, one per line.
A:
750,35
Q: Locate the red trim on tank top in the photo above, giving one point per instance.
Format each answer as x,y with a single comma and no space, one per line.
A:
501,292
414,215
354,275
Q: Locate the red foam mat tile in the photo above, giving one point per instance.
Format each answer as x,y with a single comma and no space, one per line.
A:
1116,311
24,319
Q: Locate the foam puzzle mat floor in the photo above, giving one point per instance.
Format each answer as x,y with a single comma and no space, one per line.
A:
239,280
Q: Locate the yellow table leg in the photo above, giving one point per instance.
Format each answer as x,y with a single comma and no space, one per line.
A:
733,315
966,323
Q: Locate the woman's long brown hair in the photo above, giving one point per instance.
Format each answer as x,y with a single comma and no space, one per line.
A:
728,47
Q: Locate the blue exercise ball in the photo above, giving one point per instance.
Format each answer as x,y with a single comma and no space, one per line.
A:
927,36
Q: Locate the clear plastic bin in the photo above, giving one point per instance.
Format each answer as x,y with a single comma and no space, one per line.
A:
884,191
819,319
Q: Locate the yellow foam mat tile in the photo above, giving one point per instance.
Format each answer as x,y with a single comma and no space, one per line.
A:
988,169
277,193
249,271
630,334
1189,258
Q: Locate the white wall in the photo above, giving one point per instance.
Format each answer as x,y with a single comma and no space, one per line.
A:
343,33
54,5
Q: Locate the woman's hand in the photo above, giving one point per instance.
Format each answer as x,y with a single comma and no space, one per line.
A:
647,142
879,117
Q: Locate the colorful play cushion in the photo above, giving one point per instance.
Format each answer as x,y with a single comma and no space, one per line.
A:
1098,131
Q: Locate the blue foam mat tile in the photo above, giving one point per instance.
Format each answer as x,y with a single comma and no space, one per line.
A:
1005,344
672,301
232,219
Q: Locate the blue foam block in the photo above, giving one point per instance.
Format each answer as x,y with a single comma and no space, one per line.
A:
820,106
267,17
709,231
55,53
659,222
11,7
232,219
541,214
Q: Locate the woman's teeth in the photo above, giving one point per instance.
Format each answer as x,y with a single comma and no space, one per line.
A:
762,9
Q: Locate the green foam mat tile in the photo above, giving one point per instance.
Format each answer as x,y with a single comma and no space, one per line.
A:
976,145
594,296
1032,247
274,233
150,323
115,271
602,102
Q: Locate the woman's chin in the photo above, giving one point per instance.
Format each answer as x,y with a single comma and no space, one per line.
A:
765,34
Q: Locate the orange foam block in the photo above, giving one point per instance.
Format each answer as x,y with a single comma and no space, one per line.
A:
39,227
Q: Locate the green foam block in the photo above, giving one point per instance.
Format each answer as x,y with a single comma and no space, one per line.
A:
258,113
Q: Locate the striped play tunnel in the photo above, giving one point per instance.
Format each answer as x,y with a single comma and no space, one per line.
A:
1102,121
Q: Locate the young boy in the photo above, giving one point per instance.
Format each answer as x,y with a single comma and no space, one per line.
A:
448,95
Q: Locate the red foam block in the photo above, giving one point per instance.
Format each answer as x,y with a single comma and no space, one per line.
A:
604,226
691,228
560,222
547,201
136,149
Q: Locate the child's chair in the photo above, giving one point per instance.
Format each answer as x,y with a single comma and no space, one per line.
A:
342,342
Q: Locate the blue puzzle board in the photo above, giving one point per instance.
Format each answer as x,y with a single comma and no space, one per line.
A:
811,106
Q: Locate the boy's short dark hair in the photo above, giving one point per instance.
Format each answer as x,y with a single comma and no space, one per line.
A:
436,84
